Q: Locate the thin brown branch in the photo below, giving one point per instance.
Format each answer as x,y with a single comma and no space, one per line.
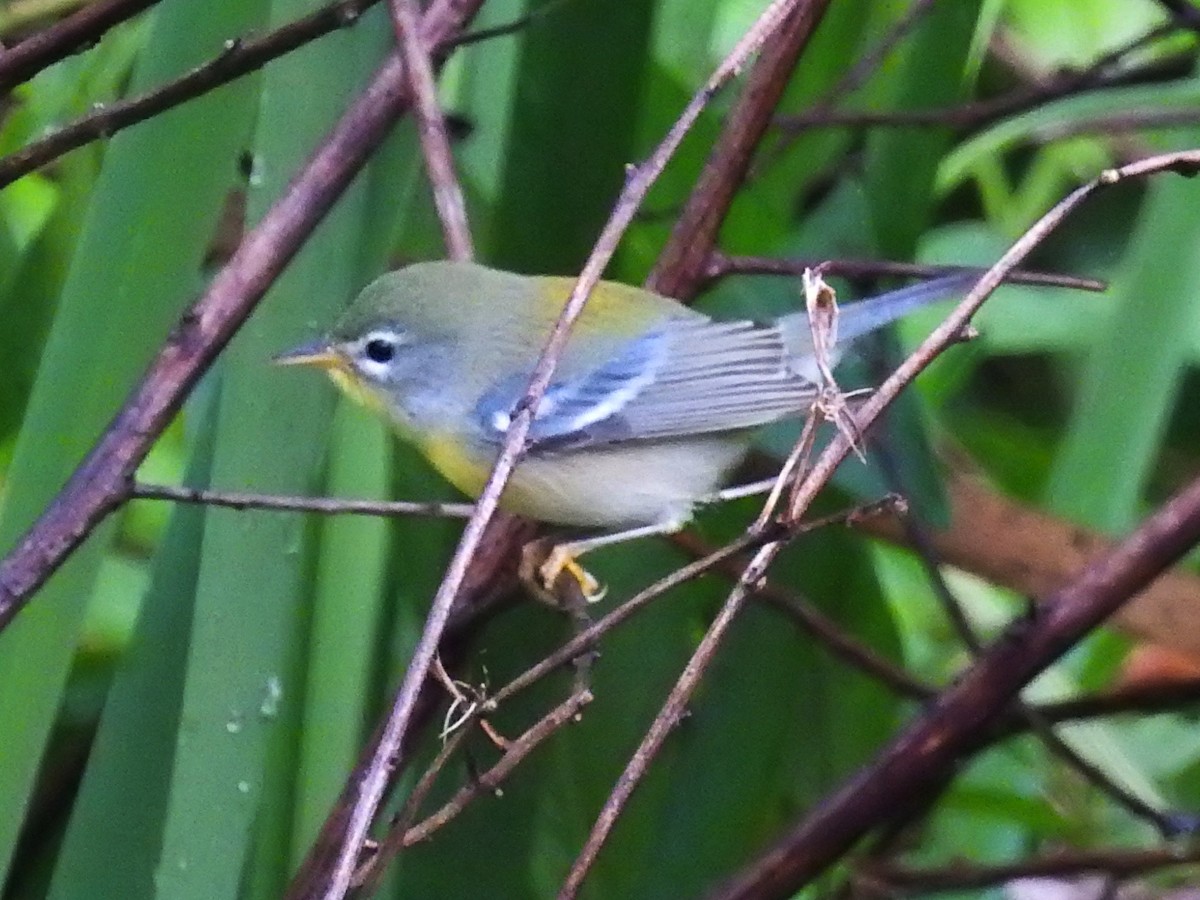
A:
680,267
485,590
509,28
104,479
1121,864
371,784
823,629
328,506
930,747
516,752
869,62
1142,699
669,716
720,266
1107,72
715,559
371,872
76,32
431,128
239,57
590,636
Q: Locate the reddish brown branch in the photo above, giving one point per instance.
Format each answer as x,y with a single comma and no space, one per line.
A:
76,32
239,58
431,127
680,268
928,749
1120,864
719,266
329,506
103,480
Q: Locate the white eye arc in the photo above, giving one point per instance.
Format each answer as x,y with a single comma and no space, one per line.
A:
380,346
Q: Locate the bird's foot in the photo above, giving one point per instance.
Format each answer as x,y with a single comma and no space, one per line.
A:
542,571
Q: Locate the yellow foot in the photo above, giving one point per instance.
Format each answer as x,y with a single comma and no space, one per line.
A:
560,560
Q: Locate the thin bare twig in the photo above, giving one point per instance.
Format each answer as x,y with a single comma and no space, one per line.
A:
516,751
678,272
371,872
76,32
715,559
1105,72
668,717
372,784
431,128
823,629
720,266
928,748
1143,699
239,57
590,636
329,506
103,480
902,881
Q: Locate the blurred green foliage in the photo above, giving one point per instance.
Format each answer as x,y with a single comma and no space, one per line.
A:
182,703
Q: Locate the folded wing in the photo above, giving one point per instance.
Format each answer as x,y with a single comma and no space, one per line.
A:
689,377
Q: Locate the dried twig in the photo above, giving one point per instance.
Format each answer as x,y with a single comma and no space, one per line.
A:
718,266
431,127
928,749
238,58
329,506
1120,863
822,628
73,34
516,751
103,480
372,783
668,717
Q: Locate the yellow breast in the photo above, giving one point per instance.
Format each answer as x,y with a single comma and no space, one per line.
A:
458,465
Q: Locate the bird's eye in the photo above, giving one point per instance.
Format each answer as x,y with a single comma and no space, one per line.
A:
380,350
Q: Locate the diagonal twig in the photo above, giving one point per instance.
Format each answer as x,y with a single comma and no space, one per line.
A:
680,267
370,785
929,748
103,480
330,506
73,34
431,128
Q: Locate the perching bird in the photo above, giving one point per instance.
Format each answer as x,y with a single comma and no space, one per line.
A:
650,407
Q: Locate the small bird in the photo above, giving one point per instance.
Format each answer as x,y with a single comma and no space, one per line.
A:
650,407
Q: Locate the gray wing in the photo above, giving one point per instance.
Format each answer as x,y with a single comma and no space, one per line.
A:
689,377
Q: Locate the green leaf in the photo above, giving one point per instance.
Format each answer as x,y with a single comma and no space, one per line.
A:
151,215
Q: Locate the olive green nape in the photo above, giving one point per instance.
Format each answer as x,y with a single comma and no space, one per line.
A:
447,297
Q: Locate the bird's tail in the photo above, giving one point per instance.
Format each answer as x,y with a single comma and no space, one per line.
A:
864,316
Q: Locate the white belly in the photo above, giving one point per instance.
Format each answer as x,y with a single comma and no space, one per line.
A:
626,485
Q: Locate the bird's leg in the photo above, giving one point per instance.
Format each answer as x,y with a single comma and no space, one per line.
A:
564,557
738,491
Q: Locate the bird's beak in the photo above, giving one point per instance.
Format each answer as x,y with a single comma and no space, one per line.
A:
315,353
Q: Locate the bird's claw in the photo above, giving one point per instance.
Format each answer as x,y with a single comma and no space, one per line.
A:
560,560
